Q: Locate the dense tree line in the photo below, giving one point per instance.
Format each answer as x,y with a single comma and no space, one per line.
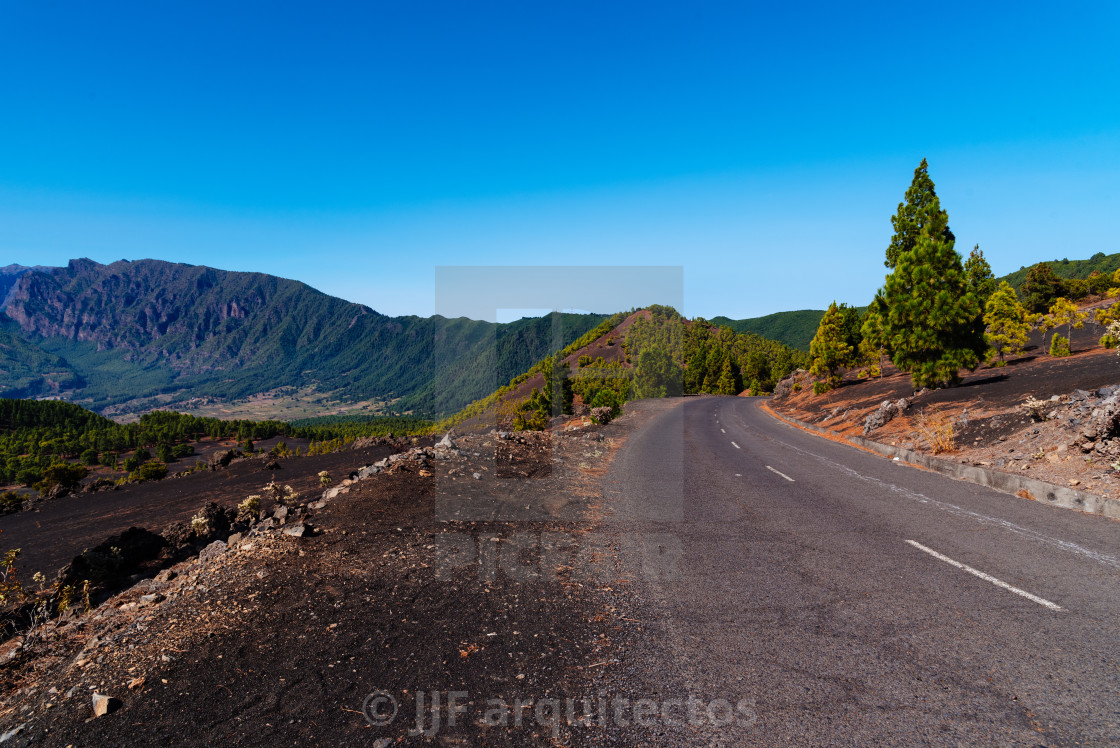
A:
673,356
37,434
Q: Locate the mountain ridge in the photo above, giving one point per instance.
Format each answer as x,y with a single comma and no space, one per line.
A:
153,332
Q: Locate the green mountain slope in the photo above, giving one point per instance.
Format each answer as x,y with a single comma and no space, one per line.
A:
1065,268
146,329
795,329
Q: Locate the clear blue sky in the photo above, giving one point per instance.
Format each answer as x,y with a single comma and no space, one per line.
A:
356,147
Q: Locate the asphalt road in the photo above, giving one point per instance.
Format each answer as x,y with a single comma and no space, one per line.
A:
836,597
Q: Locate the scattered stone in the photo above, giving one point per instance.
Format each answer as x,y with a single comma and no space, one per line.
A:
280,513
445,442
166,575
103,705
212,551
152,599
476,476
136,683
881,417
1074,482
12,733
296,531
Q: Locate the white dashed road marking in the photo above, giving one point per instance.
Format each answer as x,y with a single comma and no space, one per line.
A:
985,577
779,472
733,444
722,431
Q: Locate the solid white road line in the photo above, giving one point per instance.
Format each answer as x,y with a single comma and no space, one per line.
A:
779,472
985,577
733,444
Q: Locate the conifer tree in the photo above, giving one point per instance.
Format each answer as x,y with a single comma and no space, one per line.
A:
829,350
1065,312
978,276
726,383
874,332
1008,323
919,210
935,325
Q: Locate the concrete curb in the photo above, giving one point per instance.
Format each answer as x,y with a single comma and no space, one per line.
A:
1009,483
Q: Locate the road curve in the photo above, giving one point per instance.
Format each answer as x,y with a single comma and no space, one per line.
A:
851,600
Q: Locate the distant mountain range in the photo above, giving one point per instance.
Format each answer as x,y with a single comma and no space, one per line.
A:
133,335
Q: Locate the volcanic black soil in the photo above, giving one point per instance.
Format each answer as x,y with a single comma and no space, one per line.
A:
283,640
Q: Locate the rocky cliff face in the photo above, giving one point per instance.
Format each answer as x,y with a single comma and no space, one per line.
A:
174,308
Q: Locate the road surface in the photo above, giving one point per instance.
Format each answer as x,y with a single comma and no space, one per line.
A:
848,599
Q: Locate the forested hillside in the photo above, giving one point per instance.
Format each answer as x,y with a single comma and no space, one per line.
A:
654,352
1069,269
795,329
130,332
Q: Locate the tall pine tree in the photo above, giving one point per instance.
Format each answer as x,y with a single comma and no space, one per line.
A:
935,324
978,275
829,350
919,210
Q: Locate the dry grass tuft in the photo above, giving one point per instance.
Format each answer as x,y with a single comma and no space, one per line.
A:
936,429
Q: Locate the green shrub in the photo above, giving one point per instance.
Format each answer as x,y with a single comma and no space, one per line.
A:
606,399
1108,340
163,452
150,471
29,476
62,474
1059,346
182,450
89,457
10,501
819,388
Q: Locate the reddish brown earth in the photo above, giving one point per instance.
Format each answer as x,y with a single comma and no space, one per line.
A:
501,415
990,426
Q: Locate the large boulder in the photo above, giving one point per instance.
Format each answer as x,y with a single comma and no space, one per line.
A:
880,417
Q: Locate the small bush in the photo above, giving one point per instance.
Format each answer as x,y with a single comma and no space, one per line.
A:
29,476
182,450
819,388
324,478
150,471
62,474
89,457
1108,340
584,361
249,509
796,387
601,415
937,430
606,399
1035,408
1059,346
10,501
